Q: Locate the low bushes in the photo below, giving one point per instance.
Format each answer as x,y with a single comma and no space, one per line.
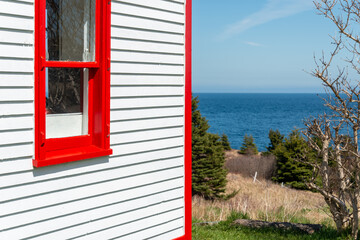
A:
248,165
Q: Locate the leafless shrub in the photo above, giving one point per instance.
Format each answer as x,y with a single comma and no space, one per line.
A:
335,136
248,165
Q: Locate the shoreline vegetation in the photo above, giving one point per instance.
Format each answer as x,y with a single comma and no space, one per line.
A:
259,199
247,184
324,157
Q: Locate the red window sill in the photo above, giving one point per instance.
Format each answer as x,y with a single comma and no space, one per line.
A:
70,155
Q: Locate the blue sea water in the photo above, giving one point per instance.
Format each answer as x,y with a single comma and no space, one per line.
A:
255,114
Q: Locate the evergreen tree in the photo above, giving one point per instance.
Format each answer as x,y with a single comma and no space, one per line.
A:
288,170
248,146
276,138
208,159
225,142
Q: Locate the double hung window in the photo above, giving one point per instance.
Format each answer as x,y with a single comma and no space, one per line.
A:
72,71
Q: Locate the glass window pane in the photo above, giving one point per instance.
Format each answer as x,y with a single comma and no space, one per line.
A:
70,30
66,102
64,93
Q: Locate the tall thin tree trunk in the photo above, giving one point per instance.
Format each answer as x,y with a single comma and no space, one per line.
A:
355,222
354,200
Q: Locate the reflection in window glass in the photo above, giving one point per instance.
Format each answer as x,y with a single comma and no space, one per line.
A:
64,93
66,102
70,30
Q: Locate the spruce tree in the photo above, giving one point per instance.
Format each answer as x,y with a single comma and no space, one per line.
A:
288,169
208,159
225,142
276,138
248,146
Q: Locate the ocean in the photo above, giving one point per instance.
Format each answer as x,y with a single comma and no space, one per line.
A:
237,114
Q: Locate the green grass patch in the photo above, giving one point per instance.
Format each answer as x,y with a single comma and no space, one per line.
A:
227,231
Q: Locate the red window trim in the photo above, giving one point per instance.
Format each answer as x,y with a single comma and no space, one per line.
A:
97,142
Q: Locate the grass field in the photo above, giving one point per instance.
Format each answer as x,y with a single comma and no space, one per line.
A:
261,200
224,231
264,200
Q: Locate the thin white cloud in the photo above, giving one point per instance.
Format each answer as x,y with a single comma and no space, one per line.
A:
254,44
273,9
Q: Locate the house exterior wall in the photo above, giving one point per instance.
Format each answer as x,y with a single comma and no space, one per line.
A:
136,193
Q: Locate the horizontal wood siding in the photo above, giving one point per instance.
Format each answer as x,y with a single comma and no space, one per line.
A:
147,101
136,193
16,83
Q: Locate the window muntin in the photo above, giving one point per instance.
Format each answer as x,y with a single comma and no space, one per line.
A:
70,30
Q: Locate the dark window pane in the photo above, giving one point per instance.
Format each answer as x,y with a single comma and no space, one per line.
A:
64,90
70,30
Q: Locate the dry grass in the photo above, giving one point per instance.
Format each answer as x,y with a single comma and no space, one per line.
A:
263,200
247,165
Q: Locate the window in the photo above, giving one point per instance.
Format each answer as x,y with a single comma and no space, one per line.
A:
72,80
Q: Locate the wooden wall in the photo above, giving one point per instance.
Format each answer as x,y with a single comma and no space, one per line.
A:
136,193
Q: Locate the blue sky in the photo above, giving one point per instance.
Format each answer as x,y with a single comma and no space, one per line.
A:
257,46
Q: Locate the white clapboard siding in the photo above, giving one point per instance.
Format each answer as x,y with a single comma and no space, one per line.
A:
151,13
146,113
9,108
146,35
136,125
147,135
13,137
132,230
146,102
159,58
129,148
24,164
16,94
16,65
163,232
16,23
87,202
19,37
16,80
21,149
12,188
136,193
157,4
16,123
147,91
144,23
143,68
146,80
15,165
152,206
110,188
31,2
145,46
11,51
14,8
